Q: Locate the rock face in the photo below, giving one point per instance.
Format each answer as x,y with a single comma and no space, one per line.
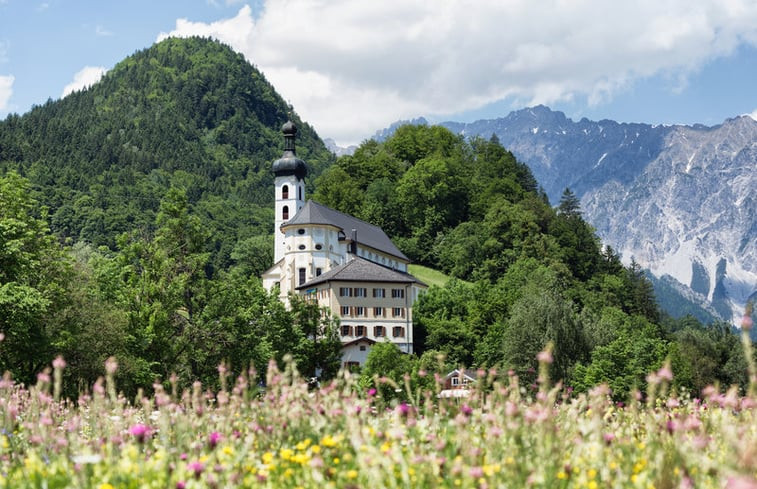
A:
680,200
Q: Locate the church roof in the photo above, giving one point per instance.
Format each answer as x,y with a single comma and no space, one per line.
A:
367,234
289,164
362,270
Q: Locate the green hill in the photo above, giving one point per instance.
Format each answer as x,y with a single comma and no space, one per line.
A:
189,113
428,275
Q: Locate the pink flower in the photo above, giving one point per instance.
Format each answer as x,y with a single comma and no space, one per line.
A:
466,410
111,365
545,357
665,373
741,482
181,485
59,362
213,439
140,432
746,322
196,467
371,392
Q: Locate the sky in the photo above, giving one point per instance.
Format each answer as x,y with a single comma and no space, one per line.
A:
352,67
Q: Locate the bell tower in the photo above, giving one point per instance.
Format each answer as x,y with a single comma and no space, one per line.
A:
289,187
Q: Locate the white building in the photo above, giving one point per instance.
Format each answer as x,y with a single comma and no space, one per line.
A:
341,262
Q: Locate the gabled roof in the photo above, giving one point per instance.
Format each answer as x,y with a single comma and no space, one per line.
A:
361,270
367,234
362,339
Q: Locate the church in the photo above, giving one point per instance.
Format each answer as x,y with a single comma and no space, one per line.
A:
340,262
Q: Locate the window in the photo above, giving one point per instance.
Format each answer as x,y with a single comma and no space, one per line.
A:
299,191
360,331
301,278
362,348
300,231
345,292
455,381
359,311
379,312
398,293
301,247
318,272
346,330
398,312
379,331
319,246
285,192
285,213
361,292
398,331
352,366
345,311
379,293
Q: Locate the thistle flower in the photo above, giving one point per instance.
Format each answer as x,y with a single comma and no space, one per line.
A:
140,432
213,439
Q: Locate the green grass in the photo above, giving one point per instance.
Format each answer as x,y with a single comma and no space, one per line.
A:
429,276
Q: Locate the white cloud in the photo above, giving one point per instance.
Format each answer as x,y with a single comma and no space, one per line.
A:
102,31
350,67
753,115
6,90
86,77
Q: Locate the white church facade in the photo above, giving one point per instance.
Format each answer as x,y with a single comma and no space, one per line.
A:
340,262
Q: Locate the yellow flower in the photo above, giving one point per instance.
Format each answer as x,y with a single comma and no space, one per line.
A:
106,486
286,453
352,474
228,450
591,473
329,442
562,475
316,449
267,458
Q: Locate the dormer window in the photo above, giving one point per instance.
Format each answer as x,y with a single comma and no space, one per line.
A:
285,192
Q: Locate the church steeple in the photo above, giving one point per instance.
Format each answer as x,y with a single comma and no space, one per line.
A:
289,164
289,184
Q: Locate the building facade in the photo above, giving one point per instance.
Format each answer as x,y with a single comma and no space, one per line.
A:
340,262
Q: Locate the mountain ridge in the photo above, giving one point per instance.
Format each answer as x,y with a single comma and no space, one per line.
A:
703,236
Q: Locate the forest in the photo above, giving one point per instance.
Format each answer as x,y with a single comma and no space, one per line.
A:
136,217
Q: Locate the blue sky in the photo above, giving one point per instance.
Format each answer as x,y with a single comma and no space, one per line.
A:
351,67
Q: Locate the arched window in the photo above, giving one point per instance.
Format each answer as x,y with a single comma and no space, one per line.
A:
299,190
285,212
285,192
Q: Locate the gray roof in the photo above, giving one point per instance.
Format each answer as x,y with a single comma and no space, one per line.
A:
361,270
367,234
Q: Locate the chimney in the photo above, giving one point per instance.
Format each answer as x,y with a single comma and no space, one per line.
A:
353,242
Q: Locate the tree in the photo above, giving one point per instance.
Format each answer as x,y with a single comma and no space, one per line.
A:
386,360
539,317
33,271
317,351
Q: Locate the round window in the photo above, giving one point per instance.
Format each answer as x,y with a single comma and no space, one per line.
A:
301,247
319,246
300,231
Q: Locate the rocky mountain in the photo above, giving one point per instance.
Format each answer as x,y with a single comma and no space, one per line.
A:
677,199
339,150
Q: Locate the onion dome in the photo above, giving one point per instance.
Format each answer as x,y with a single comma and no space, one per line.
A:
289,164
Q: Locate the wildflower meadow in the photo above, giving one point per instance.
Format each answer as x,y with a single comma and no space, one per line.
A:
290,435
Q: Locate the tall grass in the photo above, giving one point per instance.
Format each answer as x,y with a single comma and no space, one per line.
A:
341,436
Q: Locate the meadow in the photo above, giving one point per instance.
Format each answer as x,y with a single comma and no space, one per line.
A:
289,435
